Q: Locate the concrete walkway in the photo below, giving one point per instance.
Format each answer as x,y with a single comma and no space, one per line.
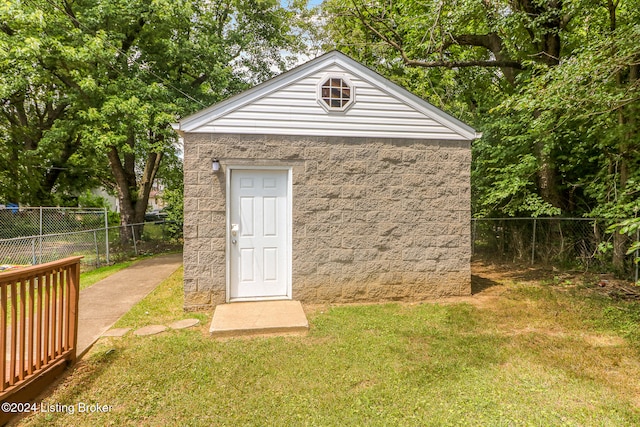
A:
103,303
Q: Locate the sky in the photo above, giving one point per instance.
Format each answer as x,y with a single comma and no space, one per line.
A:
312,3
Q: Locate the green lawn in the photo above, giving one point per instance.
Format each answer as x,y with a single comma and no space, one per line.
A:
90,277
535,354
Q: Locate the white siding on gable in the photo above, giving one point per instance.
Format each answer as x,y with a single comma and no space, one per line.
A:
288,105
294,110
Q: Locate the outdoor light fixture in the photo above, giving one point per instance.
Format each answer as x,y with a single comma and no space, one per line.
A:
215,166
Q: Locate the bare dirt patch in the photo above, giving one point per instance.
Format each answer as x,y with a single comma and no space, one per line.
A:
491,281
594,340
486,275
603,340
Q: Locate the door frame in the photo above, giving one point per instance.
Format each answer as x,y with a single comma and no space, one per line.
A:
289,255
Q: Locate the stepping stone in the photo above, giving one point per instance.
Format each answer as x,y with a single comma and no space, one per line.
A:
185,323
150,330
116,332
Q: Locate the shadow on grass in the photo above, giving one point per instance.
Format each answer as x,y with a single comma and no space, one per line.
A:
480,284
75,380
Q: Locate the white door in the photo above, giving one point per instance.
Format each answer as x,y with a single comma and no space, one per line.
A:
259,229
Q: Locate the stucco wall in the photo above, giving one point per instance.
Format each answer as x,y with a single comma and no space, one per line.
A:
373,219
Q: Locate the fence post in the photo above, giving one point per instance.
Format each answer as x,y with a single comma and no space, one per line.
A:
33,251
106,234
133,234
533,242
95,241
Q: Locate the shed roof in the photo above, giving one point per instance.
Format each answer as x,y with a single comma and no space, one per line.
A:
289,105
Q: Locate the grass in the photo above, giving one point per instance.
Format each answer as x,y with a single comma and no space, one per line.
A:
162,306
534,355
88,278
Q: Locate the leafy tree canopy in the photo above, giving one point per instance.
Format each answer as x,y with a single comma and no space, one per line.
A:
89,87
553,85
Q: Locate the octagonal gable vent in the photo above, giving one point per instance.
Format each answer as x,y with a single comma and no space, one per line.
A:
336,93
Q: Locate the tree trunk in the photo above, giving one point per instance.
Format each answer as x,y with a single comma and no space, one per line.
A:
627,122
127,218
133,193
620,244
621,241
547,185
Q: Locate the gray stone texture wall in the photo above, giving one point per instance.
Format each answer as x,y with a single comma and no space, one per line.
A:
373,219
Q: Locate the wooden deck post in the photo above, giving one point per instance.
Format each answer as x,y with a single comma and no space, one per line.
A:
74,298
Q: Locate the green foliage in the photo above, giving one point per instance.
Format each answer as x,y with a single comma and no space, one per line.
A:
587,123
88,278
630,227
172,177
553,86
90,200
38,124
89,88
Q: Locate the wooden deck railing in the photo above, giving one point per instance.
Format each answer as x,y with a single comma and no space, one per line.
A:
38,322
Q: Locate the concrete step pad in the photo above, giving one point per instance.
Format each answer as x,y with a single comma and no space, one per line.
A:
255,318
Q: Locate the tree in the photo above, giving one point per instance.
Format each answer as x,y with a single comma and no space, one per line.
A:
123,70
503,41
553,85
505,35
483,58
39,127
589,106
171,174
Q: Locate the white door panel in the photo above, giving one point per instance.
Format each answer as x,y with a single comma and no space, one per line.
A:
259,220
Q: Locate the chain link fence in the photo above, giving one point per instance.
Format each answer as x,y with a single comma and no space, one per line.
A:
58,233
148,238
36,235
37,221
584,243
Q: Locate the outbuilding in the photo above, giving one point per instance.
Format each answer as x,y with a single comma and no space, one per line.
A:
328,183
